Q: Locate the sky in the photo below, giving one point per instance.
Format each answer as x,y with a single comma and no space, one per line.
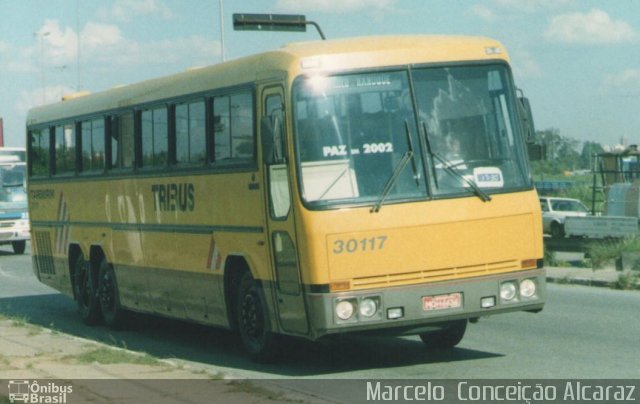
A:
578,61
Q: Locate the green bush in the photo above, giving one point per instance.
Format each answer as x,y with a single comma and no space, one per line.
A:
605,251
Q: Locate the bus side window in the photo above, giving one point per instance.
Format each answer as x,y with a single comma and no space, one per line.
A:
39,150
155,137
190,133
234,127
221,128
242,126
92,134
65,149
122,140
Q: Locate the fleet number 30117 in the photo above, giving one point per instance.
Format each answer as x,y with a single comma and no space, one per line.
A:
354,245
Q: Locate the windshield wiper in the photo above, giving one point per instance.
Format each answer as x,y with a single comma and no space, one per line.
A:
392,180
449,167
416,175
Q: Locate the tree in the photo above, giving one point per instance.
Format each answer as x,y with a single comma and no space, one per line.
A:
588,150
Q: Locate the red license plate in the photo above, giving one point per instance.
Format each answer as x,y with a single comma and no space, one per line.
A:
442,302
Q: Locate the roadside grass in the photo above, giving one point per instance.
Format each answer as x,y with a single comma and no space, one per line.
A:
4,400
22,322
607,251
628,281
246,386
110,356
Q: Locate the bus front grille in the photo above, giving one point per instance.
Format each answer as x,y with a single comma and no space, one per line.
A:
434,275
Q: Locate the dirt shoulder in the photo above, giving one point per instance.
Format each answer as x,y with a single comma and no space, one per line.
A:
70,369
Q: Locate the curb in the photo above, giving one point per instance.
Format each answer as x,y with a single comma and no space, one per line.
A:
581,281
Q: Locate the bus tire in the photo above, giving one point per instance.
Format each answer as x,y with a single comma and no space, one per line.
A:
253,324
85,292
109,297
445,338
19,246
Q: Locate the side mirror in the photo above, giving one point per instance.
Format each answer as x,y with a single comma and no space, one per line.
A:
536,152
527,119
272,140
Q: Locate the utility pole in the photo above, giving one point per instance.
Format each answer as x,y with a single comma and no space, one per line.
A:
222,30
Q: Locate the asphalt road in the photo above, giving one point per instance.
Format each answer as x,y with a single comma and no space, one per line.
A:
582,333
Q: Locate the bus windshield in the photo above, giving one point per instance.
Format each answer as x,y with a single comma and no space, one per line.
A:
408,134
13,191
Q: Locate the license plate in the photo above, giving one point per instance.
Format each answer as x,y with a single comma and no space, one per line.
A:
442,302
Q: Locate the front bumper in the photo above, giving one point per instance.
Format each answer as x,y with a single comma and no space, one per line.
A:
408,300
15,230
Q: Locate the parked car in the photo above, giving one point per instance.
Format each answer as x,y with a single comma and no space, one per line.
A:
555,210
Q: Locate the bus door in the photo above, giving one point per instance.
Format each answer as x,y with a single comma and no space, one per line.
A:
287,286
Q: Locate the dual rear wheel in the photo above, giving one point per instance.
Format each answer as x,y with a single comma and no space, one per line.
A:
96,293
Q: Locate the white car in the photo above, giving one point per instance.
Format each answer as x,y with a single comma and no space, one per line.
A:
555,210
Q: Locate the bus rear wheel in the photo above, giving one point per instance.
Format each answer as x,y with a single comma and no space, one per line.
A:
447,337
85,292
253,324
108,296
19,246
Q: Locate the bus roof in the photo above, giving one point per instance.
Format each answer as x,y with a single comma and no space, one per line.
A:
292,60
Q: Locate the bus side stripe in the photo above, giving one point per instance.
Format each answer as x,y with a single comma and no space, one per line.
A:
160,228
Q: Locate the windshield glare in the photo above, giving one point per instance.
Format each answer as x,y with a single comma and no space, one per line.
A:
12,179
453,130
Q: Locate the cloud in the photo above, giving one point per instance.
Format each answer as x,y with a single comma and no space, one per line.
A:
95,35
531,7
524,65
105,45
625,83
126,10
334,6
196,50
58,45
40,96
493,10
594,27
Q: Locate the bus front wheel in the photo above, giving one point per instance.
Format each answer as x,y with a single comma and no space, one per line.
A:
447,337
253,323
85,292
109,297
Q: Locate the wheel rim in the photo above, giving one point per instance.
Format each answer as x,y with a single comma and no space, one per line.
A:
251,317
107,292
83,286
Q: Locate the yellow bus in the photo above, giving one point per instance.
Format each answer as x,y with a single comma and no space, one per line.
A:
367,185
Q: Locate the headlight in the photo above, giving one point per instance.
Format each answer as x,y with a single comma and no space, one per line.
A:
368,307
527,288
508,291
344,309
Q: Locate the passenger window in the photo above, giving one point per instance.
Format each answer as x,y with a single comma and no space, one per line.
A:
242,136
122,142
221,128
190,133
39,158
93,150
65,149
234,127
155,137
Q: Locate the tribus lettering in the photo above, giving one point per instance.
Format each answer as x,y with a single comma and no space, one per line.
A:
173,197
